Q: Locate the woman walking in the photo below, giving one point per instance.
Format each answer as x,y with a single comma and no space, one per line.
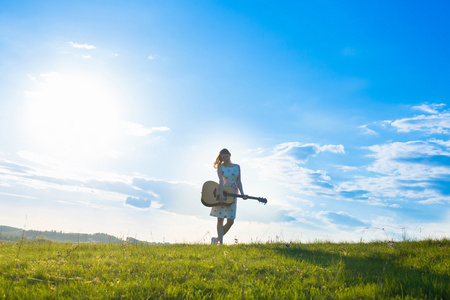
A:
229,175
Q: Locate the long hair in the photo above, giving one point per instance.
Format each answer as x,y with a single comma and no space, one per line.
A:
218,159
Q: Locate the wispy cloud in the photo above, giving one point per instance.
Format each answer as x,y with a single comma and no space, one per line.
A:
97,189
332,148
399,176
430,108
368,130
342,219
136,129
301,152
287,165
18,196
433,124
403,171
437,122
7,166
138,202
348,168
82,46
415,170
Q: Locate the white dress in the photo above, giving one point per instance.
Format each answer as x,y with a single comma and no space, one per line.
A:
230,176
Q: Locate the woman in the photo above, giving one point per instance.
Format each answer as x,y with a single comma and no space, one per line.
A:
229,175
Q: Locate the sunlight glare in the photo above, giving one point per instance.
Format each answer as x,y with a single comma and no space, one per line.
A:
74,116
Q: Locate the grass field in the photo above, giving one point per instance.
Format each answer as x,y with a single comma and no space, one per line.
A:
41,269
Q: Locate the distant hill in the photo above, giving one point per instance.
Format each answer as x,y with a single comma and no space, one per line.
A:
12,234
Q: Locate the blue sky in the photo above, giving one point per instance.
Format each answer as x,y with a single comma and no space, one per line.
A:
112,113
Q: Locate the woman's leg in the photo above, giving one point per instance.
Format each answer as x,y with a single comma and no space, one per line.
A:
220,230
227,226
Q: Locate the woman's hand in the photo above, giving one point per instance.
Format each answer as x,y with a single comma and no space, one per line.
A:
222,198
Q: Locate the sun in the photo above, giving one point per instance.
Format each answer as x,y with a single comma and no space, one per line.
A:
73,115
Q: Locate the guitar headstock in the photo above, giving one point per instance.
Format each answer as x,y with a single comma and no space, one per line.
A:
262,200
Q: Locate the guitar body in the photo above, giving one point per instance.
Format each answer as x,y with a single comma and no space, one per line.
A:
211,191
210,194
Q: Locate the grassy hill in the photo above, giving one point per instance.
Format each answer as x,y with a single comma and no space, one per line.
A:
12,234
377,270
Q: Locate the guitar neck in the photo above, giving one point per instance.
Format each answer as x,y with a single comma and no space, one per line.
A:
240,196
262,200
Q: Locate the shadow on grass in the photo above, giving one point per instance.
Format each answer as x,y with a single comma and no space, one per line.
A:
384,267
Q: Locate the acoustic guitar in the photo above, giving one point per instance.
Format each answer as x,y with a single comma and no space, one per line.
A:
210,195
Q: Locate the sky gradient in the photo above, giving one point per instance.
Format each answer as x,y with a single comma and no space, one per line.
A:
112,114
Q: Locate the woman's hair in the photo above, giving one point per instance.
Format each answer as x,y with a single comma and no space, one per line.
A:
218,159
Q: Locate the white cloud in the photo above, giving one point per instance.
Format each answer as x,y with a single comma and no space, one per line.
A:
415,170
156,205
49,76
107,189
138,202
82,46
437,122
409,160
385,123
430,108
302,152
432,124
303,202
404,171
16,195
332,149
433,201
152,57
348,168
341,218
441,142
136,129
284,166
367,130
411,172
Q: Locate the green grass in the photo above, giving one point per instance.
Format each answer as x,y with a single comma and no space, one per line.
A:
377,270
